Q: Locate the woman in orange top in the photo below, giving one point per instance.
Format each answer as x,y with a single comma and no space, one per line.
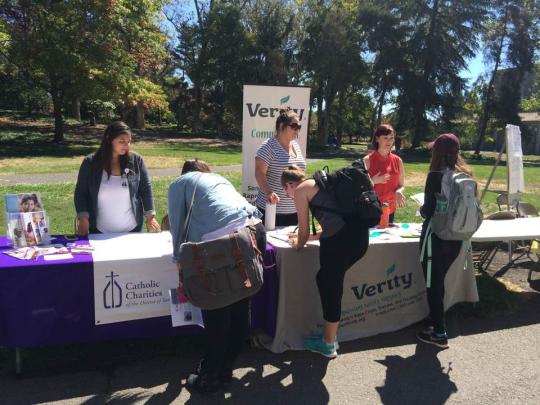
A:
386,169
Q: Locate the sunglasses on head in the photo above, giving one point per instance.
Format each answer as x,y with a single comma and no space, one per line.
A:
295,126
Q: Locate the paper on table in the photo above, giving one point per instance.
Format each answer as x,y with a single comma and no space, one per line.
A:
419,198
65,256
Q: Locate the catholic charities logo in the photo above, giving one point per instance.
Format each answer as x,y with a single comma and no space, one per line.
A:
392,282
112,293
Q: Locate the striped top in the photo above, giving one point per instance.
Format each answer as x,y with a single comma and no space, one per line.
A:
278,159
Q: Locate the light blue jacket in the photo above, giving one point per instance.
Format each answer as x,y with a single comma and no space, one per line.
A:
217,203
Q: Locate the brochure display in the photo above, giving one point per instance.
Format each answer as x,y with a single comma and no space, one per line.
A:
27,222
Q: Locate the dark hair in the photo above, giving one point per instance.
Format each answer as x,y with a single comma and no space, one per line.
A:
292,174
285,117
105,152
384,129
195,165
448,156
27,197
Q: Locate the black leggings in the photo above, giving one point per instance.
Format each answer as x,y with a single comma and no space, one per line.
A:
443,254
336,255
227,328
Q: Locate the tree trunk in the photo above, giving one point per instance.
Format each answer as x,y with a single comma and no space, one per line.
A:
139,124
320,120
57,112
196,122
380,104
75,108
339,124
489,92
420,127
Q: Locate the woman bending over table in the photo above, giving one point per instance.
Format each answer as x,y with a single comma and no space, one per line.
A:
218,209
113,192
386,169
343,242
273,156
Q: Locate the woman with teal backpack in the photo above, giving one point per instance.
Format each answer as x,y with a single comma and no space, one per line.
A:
445,156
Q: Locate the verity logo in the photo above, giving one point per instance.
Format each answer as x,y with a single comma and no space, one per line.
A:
112,293
272,112
403,281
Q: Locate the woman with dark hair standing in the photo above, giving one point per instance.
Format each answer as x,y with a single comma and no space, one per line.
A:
343,241
113,192
445,157
273,156
386,169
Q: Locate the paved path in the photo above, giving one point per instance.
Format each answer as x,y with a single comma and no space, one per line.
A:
65,177
490,361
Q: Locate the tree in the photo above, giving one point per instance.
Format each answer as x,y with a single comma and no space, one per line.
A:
66,48
510,39
441,36
331,29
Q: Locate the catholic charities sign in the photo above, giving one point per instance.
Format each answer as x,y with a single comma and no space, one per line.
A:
133,287
260,111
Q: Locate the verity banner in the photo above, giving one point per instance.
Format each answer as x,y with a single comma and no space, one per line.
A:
261,108
132,276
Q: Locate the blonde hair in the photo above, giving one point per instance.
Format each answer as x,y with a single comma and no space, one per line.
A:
292,174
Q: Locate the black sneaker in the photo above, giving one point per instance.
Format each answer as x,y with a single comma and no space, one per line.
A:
203,384
433,339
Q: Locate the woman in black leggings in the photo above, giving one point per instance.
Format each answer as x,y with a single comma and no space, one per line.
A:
445,156
342,243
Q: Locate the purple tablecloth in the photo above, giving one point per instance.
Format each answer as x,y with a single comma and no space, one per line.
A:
264,304
44,303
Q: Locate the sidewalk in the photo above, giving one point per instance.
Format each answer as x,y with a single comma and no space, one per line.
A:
490,361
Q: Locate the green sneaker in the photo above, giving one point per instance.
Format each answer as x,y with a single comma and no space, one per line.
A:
321,347
318,336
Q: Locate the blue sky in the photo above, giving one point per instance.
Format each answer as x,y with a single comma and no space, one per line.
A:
476,68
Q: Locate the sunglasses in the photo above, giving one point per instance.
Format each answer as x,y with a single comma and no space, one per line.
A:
295,126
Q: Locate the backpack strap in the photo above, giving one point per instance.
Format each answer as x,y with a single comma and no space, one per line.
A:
240,265
313,229
427,246
187,222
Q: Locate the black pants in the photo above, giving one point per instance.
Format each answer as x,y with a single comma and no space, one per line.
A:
443,254
227,328
282,219
336,255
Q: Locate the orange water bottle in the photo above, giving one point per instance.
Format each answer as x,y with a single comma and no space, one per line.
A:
385,216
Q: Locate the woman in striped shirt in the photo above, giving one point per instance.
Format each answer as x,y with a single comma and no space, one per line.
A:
273,157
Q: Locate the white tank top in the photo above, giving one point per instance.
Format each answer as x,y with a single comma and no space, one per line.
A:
114,212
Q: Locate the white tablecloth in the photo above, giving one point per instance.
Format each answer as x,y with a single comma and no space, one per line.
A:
383,292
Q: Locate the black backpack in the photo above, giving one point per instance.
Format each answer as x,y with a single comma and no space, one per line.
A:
353,191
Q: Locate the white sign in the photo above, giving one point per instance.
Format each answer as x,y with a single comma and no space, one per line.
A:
514,154
260,111
132,276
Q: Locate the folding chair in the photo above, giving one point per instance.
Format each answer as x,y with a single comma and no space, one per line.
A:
484,252
502,199
529,247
